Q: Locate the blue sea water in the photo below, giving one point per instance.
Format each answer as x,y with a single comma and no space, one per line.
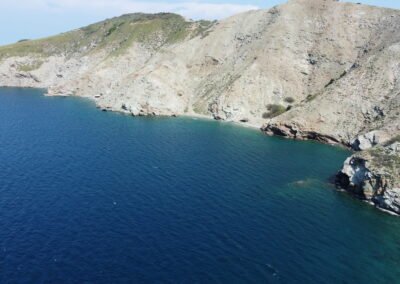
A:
94,197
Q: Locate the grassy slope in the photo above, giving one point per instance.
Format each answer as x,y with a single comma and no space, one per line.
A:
113,35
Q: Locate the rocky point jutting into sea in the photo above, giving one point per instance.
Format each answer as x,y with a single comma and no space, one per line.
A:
308,69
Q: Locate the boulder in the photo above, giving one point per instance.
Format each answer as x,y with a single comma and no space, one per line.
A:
369,140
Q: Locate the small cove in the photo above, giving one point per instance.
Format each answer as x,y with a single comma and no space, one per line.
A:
88,196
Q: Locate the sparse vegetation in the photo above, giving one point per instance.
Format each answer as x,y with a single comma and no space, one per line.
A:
204,28
113,29
289,100
116,34
311,97
337,79
393,140
391,162
30,66
154,31
273,111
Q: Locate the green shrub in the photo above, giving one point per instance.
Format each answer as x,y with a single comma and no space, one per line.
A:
273,111
289,100
311,97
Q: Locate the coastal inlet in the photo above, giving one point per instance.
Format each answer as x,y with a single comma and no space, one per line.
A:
101,197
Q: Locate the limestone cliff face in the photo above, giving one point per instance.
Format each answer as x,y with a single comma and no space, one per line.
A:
308,69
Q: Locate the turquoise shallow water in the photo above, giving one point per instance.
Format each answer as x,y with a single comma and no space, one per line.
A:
94,197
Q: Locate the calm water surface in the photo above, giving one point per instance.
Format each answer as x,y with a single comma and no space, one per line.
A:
94,197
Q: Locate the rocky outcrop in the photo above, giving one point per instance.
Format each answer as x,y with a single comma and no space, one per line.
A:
308,69
295,131
374,175
369,140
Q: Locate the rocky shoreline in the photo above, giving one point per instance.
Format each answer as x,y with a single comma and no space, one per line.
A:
378,183
373,175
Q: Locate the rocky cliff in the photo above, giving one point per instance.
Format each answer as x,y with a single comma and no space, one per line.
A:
374,175
308,69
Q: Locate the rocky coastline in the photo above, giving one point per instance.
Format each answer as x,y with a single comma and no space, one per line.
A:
319,70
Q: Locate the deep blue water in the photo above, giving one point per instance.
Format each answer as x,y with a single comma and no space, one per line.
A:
94,197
